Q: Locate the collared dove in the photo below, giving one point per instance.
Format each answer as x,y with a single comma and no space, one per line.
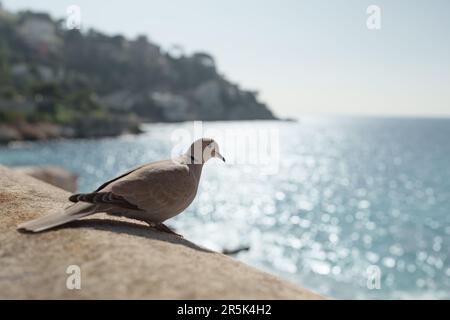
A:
151,192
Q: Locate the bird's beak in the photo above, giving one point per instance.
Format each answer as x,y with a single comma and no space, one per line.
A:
218,155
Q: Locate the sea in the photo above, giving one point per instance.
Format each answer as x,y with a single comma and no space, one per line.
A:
350,207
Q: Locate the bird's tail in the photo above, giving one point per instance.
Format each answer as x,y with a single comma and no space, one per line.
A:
74,212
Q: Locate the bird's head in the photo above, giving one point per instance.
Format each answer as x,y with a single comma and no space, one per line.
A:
202,150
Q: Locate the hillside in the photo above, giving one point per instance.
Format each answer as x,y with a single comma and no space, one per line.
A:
89,83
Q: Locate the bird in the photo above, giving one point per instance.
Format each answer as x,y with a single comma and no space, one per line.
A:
152,192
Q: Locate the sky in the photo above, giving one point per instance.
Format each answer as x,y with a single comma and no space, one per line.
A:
309,57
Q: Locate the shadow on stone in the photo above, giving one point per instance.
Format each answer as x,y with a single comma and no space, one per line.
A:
133,229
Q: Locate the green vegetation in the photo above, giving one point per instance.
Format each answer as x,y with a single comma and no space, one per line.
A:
50,74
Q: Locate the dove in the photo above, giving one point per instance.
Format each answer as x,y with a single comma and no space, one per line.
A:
152,192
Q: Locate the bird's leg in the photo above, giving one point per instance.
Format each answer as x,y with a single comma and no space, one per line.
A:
163,228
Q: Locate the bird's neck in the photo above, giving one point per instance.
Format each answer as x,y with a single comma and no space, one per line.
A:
194,157
195,166
196,169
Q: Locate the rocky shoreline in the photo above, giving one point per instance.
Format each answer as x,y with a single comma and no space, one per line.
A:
61,83
45,130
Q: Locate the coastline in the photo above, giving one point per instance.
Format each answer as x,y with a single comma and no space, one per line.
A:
10,133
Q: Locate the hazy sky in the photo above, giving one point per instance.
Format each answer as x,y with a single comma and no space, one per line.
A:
304,57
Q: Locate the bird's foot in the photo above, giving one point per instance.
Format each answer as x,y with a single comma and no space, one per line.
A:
163,228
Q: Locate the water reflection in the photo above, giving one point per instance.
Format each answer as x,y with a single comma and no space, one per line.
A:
349,193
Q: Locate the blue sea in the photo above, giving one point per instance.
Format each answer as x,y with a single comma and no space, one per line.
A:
348,207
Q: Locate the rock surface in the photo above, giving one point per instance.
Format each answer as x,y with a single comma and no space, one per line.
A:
53,175
118,258
87,128
57,82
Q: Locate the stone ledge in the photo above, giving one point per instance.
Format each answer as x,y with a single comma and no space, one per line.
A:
119,258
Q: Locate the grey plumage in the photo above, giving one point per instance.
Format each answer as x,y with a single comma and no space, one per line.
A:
153,192
63,216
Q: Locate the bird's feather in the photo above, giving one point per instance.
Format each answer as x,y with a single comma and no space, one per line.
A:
152,192
59,217
103,198
158,186
119,177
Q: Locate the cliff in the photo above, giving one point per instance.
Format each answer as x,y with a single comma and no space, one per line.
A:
118,258
92,84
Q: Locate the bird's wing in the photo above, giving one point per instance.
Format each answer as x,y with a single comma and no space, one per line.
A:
148,187
157,185
118,177
103,198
